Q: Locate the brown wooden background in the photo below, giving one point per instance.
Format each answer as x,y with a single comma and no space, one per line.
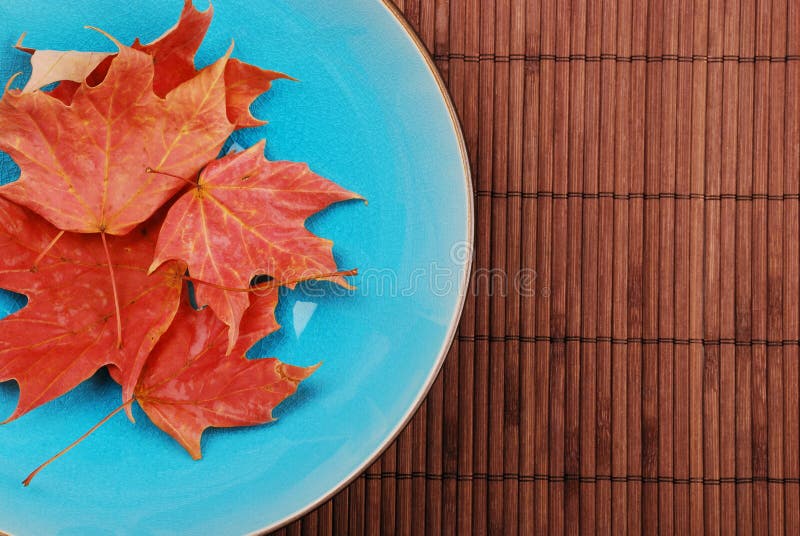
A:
644,158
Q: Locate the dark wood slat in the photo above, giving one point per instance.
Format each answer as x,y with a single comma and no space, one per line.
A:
483,255
696,267
530,492
372,507
389,491
791,288
573,179
775,226
419,503
433,454
666,269
622,172
744,252
325,515
356,502
711,265
497,286
590,355
683,125
513,227
604,280
309,525
759,271
636,222
464,35
544,249
403,500
295,529
651,265
727,304
558,261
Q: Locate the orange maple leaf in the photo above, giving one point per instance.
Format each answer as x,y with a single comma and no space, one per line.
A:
190,384
246,217
66,332
84,166
173,56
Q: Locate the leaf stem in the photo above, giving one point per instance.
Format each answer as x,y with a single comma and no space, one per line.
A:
272,284
107,35
113,289
11,81
46,251
184,179
108,417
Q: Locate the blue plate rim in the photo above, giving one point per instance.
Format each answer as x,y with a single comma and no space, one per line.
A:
395,13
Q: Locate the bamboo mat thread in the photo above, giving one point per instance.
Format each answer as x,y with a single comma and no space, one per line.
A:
639,161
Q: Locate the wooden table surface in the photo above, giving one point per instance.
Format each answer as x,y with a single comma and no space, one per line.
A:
628,357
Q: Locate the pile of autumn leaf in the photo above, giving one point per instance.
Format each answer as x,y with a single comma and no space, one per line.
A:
121,201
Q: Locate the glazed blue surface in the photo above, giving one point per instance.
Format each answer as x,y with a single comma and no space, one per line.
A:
368,114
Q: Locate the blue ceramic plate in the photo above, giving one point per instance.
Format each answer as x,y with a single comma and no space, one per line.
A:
370,113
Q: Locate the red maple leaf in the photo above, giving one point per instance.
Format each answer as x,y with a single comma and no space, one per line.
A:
119,128
173,53
244,83
173,56
246,217
85,166
190,384
66,332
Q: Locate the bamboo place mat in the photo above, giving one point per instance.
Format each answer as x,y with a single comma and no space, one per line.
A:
643,159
